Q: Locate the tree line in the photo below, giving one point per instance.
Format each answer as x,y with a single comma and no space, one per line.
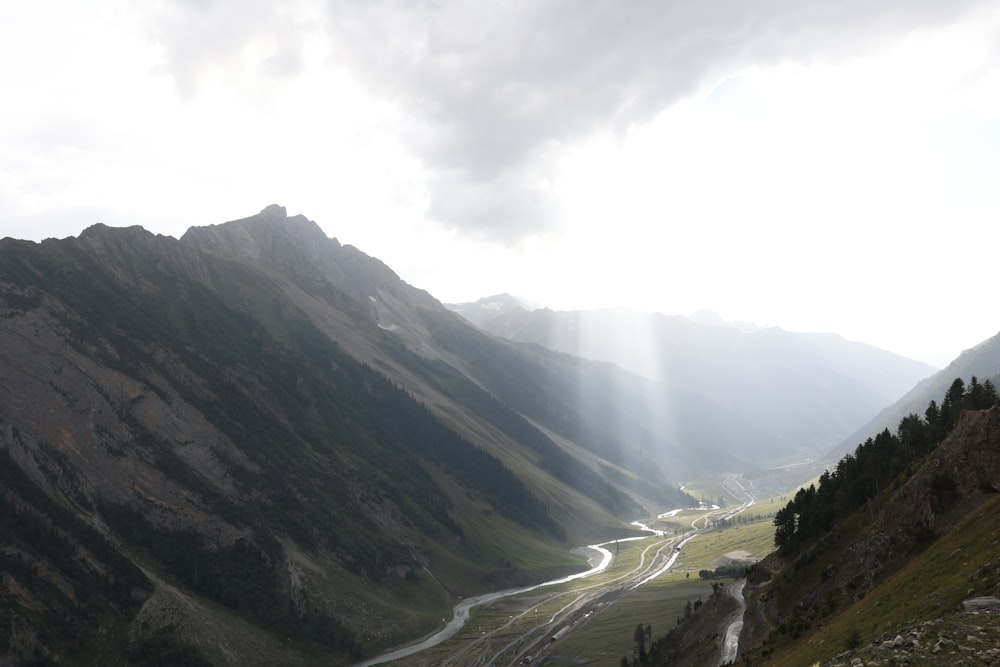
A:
860,477
664,650
740,520
730,571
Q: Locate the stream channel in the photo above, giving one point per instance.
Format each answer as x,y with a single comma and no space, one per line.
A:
462,609
731,645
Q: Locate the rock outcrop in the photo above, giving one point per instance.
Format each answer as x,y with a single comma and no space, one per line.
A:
965,639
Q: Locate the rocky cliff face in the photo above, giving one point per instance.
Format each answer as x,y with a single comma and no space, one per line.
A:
296,249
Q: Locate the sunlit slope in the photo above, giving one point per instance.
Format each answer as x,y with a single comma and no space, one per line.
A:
982,361
931,586
909,553
491,390
785,394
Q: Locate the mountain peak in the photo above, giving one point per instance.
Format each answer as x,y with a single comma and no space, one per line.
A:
99,229
498,303
261,234
505,301
274,213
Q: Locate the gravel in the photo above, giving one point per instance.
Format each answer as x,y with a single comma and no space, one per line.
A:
964,639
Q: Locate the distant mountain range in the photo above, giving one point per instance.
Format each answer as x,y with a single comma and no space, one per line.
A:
784,394
981,361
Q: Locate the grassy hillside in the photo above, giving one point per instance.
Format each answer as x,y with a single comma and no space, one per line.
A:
960,565
917,542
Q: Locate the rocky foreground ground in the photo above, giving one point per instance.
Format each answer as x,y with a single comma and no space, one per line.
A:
969,639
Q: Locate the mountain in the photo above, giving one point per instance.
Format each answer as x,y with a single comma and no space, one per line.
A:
892,563
889,559
792,395
255,445
484,312
982,361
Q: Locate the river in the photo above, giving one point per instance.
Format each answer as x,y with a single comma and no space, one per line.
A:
462,609
731,645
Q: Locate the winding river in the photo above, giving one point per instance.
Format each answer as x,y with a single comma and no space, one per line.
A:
599,561
731,645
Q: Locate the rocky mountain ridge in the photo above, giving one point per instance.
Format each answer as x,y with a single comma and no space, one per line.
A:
257,446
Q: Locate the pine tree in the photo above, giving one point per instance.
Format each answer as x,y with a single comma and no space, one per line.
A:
784,528
952,404
990,393
640,641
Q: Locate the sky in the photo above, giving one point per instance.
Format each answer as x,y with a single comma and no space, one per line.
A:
814,165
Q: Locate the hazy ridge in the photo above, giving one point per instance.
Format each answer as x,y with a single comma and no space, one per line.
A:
791,394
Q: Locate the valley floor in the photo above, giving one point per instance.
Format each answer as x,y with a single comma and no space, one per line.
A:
592,620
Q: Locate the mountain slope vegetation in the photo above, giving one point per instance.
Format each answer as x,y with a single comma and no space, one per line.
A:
255,445
849,551
888,544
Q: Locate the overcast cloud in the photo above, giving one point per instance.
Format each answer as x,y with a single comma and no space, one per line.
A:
825,166
495,89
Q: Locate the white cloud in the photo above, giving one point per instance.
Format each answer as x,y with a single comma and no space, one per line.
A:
497,88
491,93
779,161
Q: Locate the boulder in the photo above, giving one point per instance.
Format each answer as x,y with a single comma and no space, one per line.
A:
979,604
